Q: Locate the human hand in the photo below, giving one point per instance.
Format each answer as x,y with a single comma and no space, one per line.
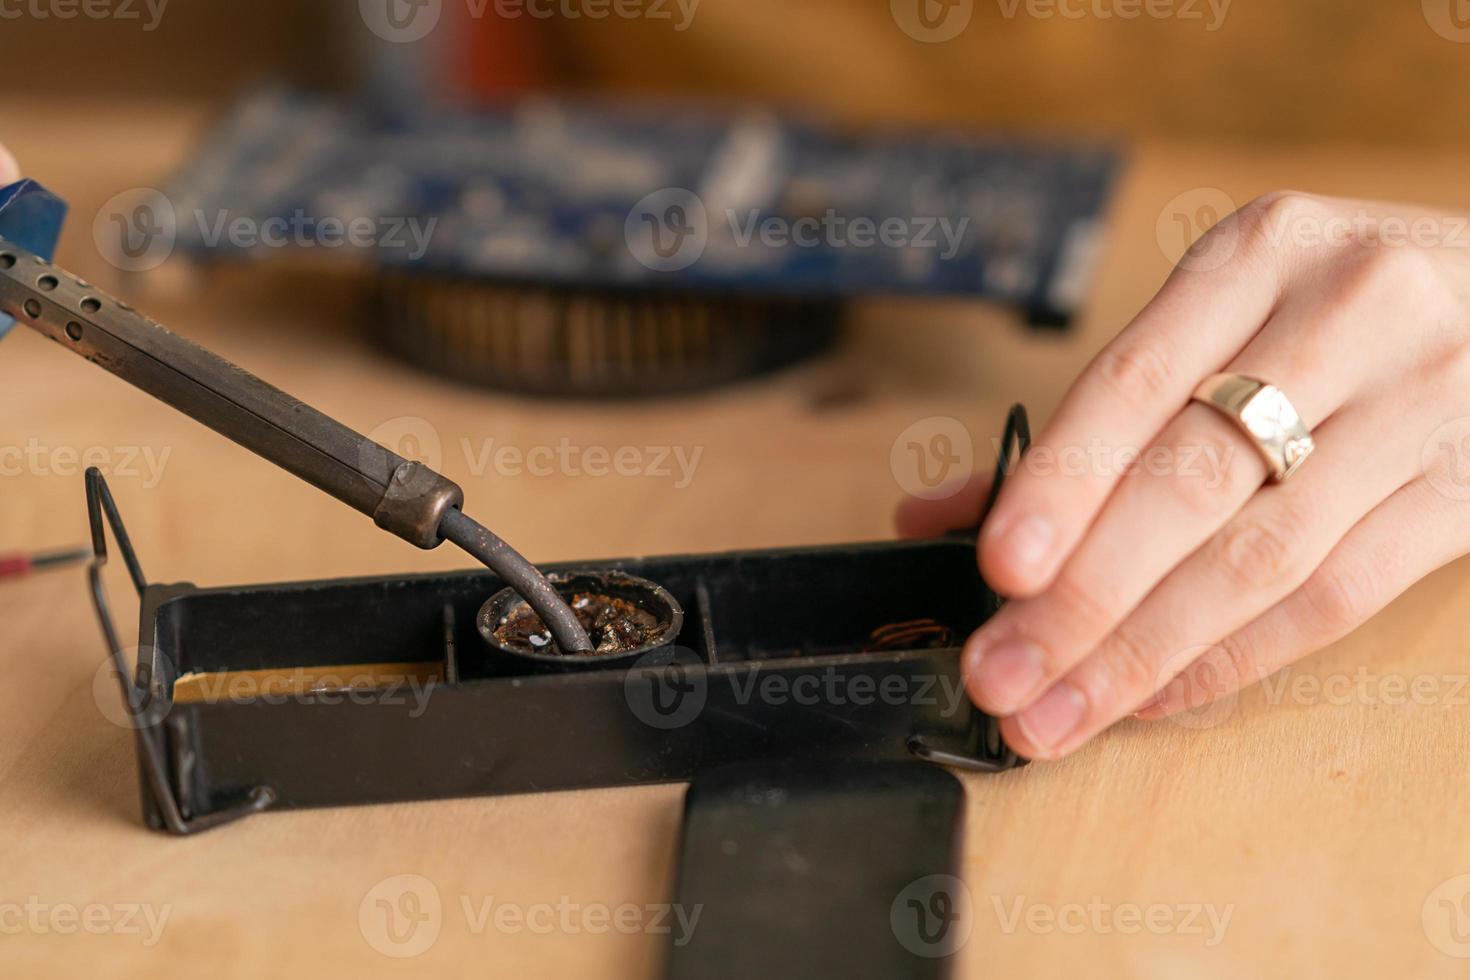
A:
9,169
1157,587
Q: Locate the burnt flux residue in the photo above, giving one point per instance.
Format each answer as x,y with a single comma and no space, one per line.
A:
615,626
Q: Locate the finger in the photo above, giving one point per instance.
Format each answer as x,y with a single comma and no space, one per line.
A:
1198,474
1199,321
9,169
1261,556
1156,517
955,507
1390,549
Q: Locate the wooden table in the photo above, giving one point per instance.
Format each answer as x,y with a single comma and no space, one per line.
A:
1324,827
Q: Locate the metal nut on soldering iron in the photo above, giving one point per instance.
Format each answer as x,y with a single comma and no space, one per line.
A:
415,502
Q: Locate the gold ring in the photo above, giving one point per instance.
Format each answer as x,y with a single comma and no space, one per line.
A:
1265,415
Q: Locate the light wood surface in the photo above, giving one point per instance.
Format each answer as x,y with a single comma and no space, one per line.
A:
1321,825
1288,73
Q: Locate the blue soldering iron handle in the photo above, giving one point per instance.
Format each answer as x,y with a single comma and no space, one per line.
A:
403,497
31,216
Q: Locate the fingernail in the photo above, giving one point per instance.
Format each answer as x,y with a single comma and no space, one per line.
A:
1154,703
1149,707
1008,673
1054,716
1026,544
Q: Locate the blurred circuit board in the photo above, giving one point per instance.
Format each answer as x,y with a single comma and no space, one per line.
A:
548,192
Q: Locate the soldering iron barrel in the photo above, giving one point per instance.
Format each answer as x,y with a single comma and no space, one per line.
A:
403,497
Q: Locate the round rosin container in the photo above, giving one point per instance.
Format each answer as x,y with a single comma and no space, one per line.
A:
625,616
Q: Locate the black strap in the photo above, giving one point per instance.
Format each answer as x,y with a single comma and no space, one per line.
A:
834,871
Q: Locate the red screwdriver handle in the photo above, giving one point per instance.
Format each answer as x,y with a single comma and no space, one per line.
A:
14,566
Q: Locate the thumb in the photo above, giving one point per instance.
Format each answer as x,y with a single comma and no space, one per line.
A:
9,169
956,505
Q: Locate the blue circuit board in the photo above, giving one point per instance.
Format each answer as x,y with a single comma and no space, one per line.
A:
586,194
